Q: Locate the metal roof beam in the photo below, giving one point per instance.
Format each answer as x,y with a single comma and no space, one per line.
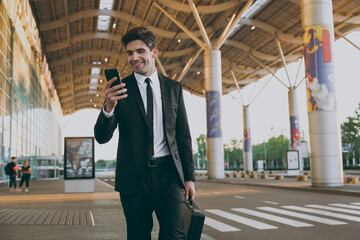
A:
201,9
225,34
259,54
181,26
75,56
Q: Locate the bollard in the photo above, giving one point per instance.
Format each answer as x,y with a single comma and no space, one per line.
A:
279,177
236,175
302,178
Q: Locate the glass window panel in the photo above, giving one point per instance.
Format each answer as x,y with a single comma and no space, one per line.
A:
2,64
2,11
2,45
7,104
2,27
8,71
1,103
7,88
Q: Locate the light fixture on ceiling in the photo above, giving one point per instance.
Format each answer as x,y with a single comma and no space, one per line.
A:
198,73
253,27
106,59
97,95
100,80
179,40
114,25
95,71
90,100
94,105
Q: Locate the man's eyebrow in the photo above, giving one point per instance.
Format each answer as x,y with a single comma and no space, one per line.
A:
138,49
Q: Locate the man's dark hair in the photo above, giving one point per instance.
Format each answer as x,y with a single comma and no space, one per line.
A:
140,33
12,158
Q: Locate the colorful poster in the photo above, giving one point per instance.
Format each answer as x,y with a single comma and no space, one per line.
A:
247,140
292,160
319,68
79,158
213,112
295,132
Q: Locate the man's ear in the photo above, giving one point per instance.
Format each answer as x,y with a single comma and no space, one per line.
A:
155,52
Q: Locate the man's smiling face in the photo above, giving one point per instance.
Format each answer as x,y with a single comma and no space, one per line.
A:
141,58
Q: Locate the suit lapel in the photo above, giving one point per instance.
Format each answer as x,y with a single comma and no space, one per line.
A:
133,89
164,95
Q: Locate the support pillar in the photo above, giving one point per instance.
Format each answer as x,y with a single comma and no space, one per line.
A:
248,158
325,142
295,141
212,64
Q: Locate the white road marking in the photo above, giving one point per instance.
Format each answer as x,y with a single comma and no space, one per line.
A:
217,193
334,209
240,197
107,184
355,203
206,237
222,227
303,216
275,203
345,206
246,221
92,218
325,213
274,218
105,179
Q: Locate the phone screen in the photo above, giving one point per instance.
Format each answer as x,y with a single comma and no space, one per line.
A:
111,73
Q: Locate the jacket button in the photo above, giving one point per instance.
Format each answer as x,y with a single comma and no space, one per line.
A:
146,151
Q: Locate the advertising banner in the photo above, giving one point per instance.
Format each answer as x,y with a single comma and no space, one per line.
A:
79,158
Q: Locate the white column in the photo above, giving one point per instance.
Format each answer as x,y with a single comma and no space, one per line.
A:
295,141
248,158
325,142
212,62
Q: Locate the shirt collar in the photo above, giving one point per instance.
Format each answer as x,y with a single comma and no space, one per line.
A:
141,78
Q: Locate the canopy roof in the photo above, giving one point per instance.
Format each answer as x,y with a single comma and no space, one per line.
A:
81,38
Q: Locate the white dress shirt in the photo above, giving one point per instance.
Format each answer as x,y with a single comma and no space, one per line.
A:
160,147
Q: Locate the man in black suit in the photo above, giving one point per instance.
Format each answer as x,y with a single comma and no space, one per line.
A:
155,168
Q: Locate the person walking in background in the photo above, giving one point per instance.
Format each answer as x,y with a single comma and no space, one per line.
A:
155,167
13,174
25,177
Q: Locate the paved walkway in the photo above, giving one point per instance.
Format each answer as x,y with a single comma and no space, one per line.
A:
46,212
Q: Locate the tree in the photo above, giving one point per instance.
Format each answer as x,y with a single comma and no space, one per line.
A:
276,147
201,156
350,134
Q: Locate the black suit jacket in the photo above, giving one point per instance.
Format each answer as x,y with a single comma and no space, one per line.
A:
130,117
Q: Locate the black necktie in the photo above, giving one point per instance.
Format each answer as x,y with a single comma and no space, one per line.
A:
150,117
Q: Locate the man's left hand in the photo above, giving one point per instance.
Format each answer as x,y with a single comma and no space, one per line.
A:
189,189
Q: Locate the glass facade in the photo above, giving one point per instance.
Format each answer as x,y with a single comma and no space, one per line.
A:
28,125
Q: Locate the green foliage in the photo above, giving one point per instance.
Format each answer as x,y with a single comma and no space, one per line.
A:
271,151
350,134
233,155
200,158
109,164
276,147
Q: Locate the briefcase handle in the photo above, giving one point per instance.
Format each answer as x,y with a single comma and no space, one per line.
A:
190,200
193,206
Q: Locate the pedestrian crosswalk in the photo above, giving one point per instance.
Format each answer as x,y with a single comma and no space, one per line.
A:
309,215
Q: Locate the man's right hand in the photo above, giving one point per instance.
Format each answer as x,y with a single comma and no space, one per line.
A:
112,94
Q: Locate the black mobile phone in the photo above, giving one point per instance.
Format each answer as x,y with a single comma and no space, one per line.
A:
111,73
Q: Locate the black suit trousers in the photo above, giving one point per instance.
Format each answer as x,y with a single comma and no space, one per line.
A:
161,191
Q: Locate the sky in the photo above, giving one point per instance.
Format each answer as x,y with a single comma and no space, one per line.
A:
268,99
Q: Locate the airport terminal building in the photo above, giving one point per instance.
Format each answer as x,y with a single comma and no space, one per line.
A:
53,55
29,105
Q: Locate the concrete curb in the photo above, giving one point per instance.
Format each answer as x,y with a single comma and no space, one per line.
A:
305,189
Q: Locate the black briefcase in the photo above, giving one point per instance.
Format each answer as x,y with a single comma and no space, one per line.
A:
193,220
